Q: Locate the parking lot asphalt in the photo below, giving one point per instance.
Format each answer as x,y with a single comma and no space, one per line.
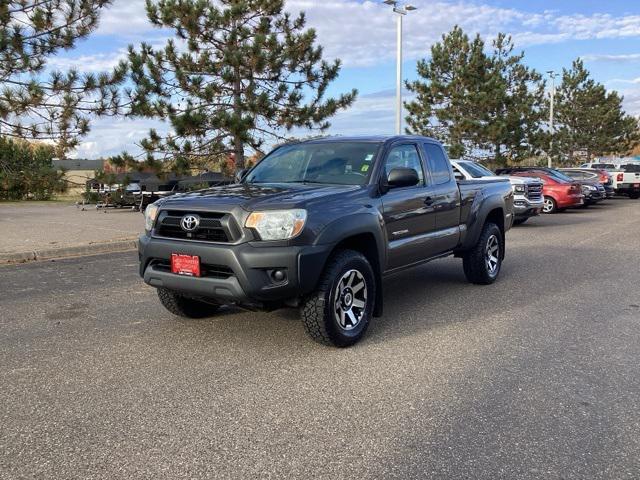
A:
29,226
536,376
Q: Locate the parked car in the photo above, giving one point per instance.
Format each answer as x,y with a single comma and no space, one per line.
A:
627,181
611,166
592,175
317,224
527,200
559,193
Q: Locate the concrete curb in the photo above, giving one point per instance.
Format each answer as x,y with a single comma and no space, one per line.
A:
72,251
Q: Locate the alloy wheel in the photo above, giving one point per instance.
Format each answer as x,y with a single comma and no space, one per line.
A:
492,257
350,299
548,205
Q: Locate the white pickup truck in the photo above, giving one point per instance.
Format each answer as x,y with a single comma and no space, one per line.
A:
528,199
625,176
626,181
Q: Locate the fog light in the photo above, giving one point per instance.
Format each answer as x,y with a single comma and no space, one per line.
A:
278,276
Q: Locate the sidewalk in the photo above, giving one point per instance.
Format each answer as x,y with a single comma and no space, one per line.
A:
42,230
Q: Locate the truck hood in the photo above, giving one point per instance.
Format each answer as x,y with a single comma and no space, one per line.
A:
514,180
256,196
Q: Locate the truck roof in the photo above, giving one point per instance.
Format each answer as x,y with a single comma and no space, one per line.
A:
366,138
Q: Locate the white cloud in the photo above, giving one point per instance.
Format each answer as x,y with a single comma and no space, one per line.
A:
125,18
363,33
632,101
624,58
112,136
99,62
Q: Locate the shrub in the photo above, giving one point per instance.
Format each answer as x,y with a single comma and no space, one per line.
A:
26,171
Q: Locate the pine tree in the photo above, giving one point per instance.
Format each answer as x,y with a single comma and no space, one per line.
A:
238,73
482,105
56,106
449,93
590,121
513,106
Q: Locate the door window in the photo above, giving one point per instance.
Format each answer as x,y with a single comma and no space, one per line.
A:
404,156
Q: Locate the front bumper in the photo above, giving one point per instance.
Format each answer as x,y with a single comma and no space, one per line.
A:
246,269
525,208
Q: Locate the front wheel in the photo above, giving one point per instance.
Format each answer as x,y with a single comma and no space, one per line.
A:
550,205
182,306
483,262
339,311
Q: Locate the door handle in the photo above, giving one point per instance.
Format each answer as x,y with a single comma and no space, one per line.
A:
428,201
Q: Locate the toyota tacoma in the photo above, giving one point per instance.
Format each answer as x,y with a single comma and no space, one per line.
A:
317,225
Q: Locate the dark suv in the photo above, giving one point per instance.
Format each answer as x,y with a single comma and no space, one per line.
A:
317,225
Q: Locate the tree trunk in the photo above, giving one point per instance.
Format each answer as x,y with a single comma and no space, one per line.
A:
238,144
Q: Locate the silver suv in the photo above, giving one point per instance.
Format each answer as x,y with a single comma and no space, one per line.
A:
528,199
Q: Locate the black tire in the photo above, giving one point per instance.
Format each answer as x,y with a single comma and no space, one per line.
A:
520,221
476,261
634,196
550,205
321,311
185,307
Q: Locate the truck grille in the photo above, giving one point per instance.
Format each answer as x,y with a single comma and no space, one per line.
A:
534,191
213,226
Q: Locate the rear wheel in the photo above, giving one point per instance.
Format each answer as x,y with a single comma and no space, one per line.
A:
182,306
483,262
550,205
339,311
634,196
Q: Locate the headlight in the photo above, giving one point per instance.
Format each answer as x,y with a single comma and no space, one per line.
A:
277,224
519,188
150,214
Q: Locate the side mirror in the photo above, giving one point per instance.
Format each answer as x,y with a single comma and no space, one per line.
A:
402,177
240,174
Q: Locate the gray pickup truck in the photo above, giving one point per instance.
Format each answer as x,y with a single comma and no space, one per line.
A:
317,225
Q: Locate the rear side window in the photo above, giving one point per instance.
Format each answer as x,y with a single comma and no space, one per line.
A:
438,164
572,174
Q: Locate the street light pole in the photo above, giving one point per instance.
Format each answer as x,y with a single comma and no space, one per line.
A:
401,11
552,74
399,75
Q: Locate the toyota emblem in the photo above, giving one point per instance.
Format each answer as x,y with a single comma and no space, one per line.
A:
190,223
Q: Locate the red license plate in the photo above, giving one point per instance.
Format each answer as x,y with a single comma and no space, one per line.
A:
185,264
636,185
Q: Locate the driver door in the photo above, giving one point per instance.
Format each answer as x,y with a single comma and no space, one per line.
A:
408,214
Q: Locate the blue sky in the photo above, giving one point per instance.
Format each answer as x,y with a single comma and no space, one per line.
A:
362,33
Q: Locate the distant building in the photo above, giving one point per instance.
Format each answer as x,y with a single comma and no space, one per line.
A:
77,172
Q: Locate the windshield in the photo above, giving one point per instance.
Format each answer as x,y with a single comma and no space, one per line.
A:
476,170
338,163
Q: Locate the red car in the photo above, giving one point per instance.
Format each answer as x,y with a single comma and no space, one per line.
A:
560,192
